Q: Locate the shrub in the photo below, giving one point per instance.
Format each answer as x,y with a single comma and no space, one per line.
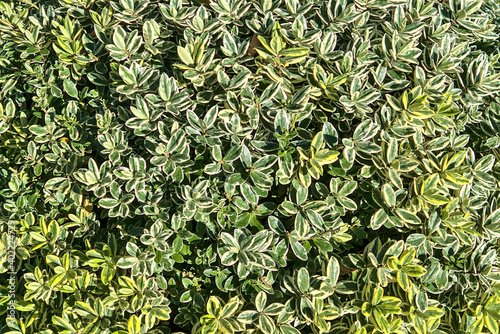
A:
276,167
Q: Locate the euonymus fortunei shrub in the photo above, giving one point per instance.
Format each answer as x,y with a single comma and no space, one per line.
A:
231,166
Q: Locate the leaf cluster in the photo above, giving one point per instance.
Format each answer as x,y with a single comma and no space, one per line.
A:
256,167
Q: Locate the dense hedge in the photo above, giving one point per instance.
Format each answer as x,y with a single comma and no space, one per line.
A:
276,167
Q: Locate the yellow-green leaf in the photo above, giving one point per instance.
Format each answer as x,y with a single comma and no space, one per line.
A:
420,325
317,143
213,306
393,263
422,113
302,153
366,309
134,325
277,43
334,81
414,270
456,160
380,321
378,293
326,157
294,52
434,312
477,326
266,45
185,55
389,195
314,169
491,323
430,183
304,177
404,100
435,198
403,280
84,307
199,48
161,314
455,178
407,256
230,308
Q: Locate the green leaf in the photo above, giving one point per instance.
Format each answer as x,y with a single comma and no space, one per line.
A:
260,301
421,301
415,239
414,270
368,147
303,280
127,76
315,219
70,88
378,219
389,195
323,245
307,309
493,218
348,188
108,203
408,217
473,7
298,249
287,329
333,270
127,262
38,130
